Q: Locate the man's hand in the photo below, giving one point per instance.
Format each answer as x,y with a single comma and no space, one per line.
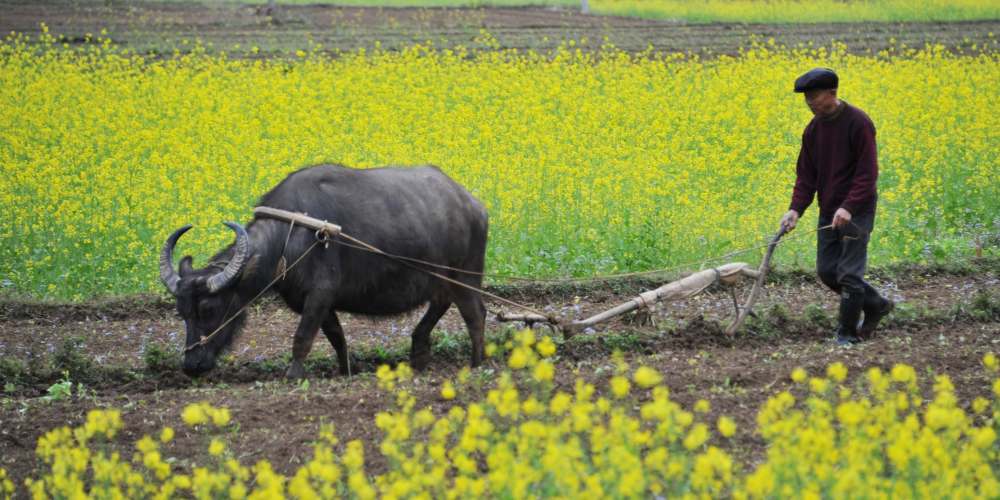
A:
841,218
789,220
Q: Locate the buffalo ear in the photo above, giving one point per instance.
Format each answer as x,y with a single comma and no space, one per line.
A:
250,270
185,266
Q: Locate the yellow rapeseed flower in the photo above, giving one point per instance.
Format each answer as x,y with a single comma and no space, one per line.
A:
903,374
545,347
646,377
166,435
726,426
619,386
220,417
519,358
836,371
990,361
216,447
702,406
194,414
818,385
696,437
544,371
448,390
980,405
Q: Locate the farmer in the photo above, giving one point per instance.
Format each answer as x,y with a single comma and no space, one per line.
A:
838,162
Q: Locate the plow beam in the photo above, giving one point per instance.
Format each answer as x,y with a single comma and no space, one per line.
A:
689,286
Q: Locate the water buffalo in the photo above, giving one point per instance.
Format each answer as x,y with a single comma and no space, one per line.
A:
416,212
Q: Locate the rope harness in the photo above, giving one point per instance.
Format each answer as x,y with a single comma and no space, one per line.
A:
326,232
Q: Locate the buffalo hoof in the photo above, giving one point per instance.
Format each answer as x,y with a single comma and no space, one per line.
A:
348,368
295,371
420,361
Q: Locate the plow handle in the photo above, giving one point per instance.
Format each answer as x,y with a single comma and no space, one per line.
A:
765,265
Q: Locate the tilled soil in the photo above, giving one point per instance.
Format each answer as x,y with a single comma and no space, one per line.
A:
937,329
159,27
944,322
112,336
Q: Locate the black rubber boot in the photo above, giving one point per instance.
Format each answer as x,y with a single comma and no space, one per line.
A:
851,305
875,307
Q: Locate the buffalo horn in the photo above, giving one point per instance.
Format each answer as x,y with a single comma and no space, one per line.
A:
168,276
235,266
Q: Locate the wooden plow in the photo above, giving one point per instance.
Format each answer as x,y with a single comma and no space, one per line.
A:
727,275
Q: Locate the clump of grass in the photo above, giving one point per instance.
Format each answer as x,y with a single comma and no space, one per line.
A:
70,359
13,373
815,315
985,306
160,358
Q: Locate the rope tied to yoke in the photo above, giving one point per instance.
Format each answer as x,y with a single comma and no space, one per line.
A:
326,232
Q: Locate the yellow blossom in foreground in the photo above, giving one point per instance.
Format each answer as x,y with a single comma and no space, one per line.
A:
883,439
546,347
836,371
619,386
194,415
519,358
544,371
216,448
6,485
726,426
646,377
903,373
696,437
166,435
202,413
220,417
448,390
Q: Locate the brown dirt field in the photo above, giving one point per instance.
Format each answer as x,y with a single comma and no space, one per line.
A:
945,321
158,27
935,329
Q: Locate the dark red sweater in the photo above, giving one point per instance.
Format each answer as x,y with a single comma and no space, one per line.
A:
838,162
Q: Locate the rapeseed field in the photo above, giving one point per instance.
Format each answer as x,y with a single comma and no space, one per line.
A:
798,11
589,161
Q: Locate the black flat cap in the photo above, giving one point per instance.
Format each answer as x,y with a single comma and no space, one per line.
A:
817,79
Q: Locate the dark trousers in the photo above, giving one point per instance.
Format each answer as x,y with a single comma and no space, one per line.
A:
841,259
842,253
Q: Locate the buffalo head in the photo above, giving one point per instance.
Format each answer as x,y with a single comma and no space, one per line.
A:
206,299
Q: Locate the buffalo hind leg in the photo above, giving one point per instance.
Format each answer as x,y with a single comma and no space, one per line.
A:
470,304
335,334
420,349
314,313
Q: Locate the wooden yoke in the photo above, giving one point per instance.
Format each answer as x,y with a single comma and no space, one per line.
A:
327,228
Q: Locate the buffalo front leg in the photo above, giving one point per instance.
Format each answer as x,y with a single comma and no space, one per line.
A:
335,334
420,349
316,309
474,313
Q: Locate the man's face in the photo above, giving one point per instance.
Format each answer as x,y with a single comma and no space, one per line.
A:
821,102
